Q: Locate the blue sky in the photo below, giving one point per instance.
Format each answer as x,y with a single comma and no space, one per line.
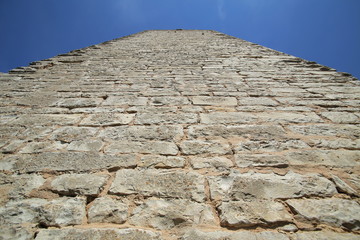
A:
325,31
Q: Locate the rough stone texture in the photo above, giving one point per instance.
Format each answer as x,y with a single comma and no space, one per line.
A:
188,134
337,212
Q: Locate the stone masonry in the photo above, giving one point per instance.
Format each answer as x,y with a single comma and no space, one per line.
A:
180,134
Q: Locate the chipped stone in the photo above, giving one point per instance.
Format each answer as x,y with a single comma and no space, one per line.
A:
108,210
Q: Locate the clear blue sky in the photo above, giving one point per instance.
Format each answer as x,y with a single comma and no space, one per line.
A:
325,31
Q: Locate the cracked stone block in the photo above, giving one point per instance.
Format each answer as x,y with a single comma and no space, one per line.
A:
166,118
161,183
336,158
57,212
166,214
260,160
78,102
196,234
79,184
153,147
167,100
193,147
332,211
339,130
325,235
66,161
125,100
250,186
341,117
87,145
107,119
269,145
69,134
108,210
241,214
227,118
97,234
245,131
211,162
214,101
342,186
136,133
157,161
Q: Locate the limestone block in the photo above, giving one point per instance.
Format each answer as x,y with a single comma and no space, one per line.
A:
227,118
166,118
193,147
69,134
195,234
350,144
17,232
47,119
288,117
214,101
332,211
38,147
125,100
153,147
97,234
160,183
260,160
166,214
168,100
325,235
341,117
151,109
107,119
157,161
66,161
86,145
241,214
245,131
336,158
342,186
211,162
78,102
339,130
269,145
250,186
264,101
58,212
79,184
138,133
107,210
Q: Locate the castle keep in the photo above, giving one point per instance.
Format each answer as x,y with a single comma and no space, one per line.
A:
180,134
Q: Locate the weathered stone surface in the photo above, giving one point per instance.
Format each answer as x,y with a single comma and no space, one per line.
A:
211,162
260,160
349,144
166,118
47,119
134,133
342,158
240,214
97,234
166,214
227,118
342,186
288,117
269,145
154,147
157,161
167,100
195,234
161,183
125,100
216,101
107,119
87,145
341,117
78,102
66,161
325,235
336,212
265,101
193,147
108,210
16,232
338,130
245,131
69,134
58,212
250,186
79,184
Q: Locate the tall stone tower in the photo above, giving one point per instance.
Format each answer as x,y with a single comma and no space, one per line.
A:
179,135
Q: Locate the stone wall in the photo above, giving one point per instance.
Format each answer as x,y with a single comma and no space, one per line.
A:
179,135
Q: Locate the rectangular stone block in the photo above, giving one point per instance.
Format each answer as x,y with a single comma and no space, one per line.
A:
155,147
339,130
288,117
157,161
214,101
107,119
166,118
125,100
47,119
227,118
159,183
260,160
193,147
